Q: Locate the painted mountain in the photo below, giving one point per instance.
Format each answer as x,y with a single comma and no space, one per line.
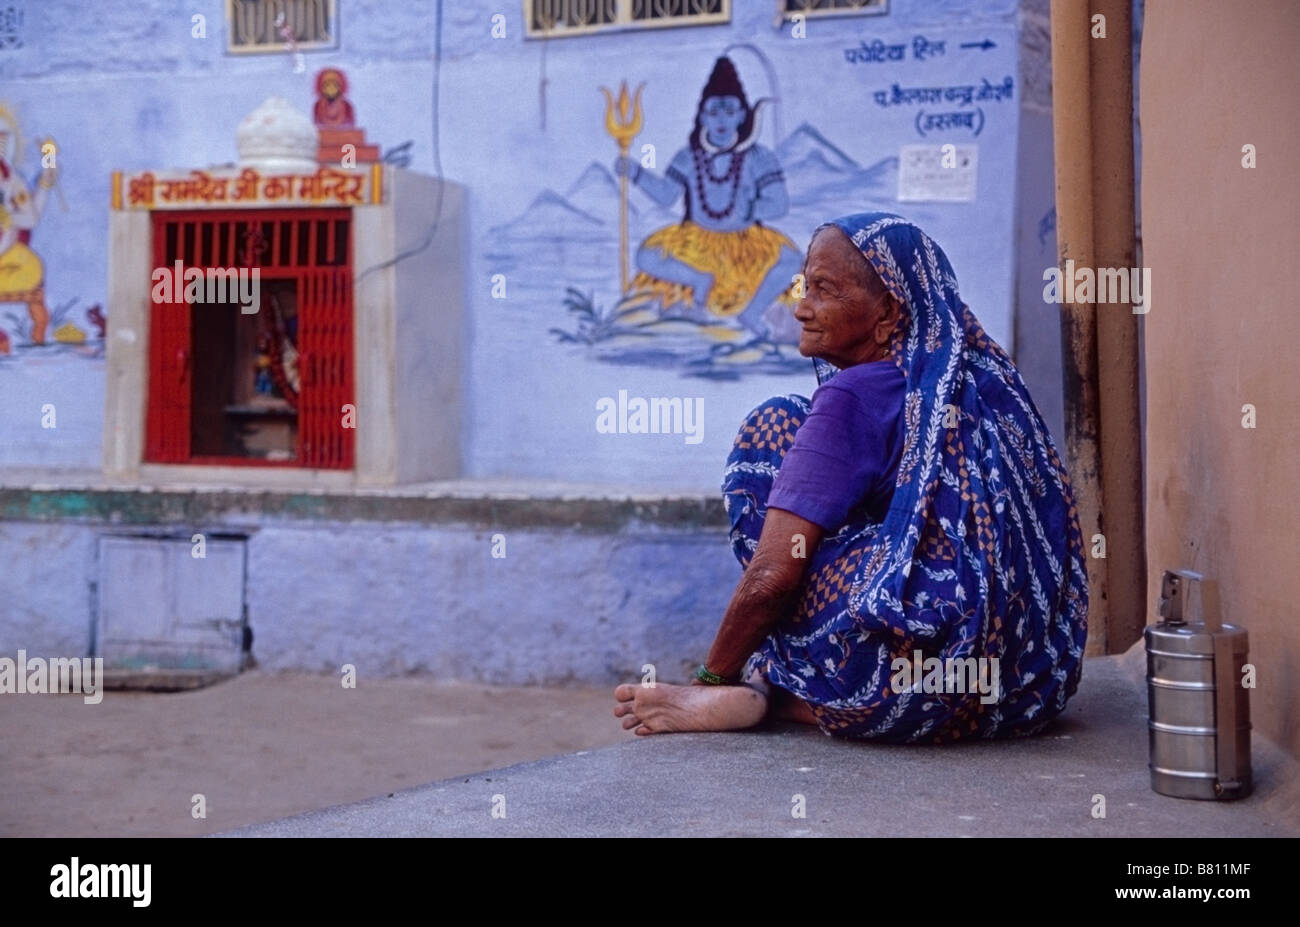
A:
562,250
810,161
551,215
816,170
596,191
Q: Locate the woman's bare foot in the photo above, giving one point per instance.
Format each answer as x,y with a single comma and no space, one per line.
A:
661,709
789,707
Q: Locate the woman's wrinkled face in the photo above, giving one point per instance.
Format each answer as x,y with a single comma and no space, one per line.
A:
722,117
846,312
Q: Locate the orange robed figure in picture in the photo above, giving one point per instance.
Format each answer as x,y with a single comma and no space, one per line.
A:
332,108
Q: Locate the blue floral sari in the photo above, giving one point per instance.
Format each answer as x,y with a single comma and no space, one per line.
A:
979,556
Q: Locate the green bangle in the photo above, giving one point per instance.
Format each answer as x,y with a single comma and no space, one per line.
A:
712,679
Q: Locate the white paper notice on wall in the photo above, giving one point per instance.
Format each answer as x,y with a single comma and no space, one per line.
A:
937,173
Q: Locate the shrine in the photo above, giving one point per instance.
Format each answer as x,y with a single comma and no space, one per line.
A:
343,358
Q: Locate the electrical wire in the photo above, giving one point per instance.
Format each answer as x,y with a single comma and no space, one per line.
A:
437,157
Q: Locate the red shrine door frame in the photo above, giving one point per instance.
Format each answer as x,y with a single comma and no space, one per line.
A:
311,248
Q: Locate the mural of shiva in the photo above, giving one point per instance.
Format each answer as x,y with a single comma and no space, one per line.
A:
720,261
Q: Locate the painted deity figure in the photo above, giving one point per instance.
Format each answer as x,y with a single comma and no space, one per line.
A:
22,274
332,109
720,260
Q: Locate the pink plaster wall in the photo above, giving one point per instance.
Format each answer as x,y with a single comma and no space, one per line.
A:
1223,245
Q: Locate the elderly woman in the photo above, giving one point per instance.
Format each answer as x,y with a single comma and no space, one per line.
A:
913,518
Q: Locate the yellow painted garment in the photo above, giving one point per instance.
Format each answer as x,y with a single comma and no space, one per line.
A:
738,261
20,269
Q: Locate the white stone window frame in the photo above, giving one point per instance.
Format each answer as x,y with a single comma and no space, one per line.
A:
281,47
811,9
624,19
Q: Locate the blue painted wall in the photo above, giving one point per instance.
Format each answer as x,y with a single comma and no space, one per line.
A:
124,86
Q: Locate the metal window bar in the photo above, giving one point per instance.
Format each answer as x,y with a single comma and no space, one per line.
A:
564,18
251,25
167,416
814,8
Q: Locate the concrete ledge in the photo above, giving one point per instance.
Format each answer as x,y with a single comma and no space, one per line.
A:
744,784
501,504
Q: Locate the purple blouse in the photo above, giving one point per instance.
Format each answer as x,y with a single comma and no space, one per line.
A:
845,455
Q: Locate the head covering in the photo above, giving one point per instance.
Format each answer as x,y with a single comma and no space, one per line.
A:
980,554
326,73
724,81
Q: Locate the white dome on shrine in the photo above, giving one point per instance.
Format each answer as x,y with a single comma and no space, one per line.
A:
275,136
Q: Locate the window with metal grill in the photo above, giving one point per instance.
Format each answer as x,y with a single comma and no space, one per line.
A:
271,26
811,8
560,18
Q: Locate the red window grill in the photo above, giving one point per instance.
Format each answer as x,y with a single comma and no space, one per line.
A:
310,247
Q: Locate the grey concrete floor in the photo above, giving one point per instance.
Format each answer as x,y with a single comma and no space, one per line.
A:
751,783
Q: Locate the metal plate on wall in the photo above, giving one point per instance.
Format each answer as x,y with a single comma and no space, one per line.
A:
164,609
